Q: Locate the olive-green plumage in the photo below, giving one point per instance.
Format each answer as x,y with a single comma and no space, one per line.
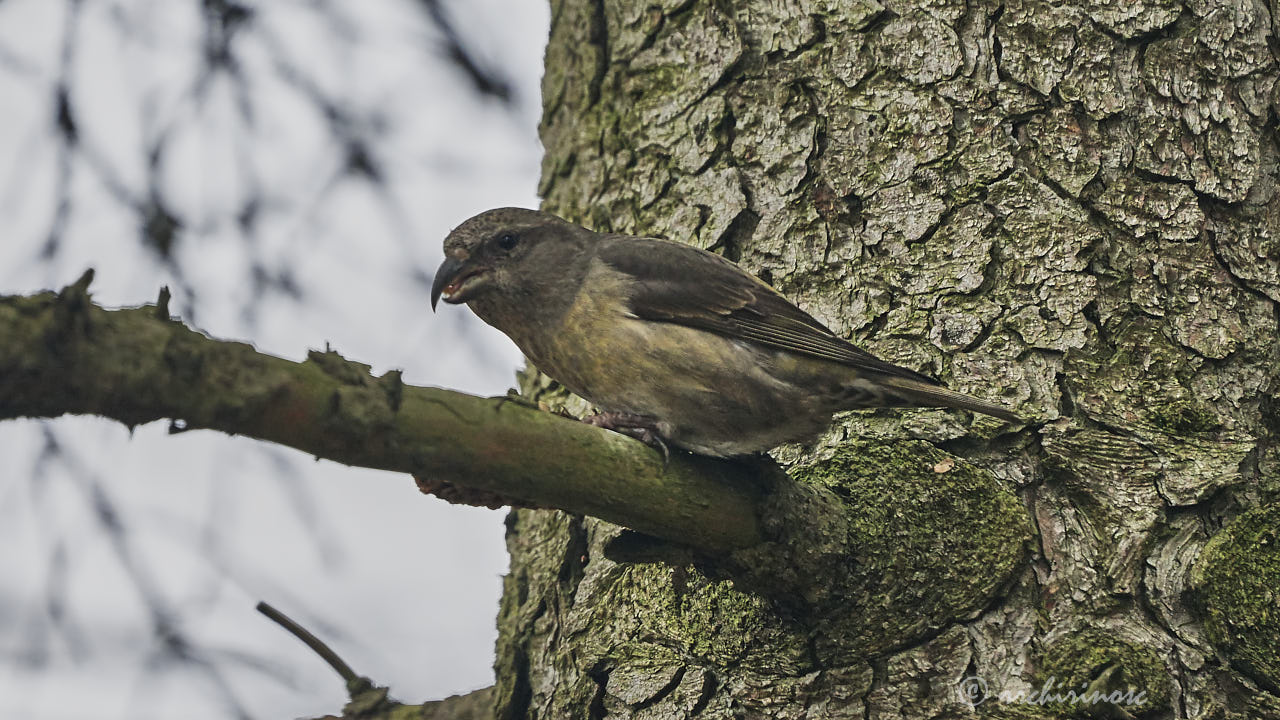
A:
672,338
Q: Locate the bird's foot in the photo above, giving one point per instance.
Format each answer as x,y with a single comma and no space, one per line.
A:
640,427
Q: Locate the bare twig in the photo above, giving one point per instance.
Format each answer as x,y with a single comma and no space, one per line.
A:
316,644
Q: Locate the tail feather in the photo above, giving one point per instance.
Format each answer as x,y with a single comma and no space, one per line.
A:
914,393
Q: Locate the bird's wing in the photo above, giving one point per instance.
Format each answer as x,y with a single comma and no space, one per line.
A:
684,285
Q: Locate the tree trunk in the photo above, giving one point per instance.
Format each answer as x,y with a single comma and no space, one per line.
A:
1071,207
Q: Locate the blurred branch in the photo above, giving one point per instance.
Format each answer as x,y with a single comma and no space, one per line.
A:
485,80
60,354
171,644
234,67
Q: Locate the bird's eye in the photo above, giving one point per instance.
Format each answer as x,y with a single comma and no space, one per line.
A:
508,241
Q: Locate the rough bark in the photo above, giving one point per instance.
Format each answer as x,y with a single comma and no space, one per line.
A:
1070,205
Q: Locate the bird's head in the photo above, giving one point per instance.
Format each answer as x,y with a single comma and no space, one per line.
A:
507,252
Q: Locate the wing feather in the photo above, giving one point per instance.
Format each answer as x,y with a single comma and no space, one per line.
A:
684,285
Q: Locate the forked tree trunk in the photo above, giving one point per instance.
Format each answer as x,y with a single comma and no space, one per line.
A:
1067,206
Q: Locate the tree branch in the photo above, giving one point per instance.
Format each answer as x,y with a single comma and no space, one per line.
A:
858,529
61,354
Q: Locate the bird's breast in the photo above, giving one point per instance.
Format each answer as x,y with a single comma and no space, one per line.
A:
596,345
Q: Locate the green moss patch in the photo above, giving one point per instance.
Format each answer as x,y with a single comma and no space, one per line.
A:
1237,582
1182,417
934,539
1088,673
879,546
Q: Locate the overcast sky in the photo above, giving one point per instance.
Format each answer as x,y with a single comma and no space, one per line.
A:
403,586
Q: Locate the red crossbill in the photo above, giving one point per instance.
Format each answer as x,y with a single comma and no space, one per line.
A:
671,342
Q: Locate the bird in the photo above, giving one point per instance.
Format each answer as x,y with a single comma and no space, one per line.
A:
671,343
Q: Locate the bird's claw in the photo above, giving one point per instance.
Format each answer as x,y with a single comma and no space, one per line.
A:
640,427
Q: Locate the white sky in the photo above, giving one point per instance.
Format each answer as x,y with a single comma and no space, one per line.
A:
404,587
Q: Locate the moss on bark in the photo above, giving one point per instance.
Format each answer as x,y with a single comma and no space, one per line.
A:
1094,672
1237,581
